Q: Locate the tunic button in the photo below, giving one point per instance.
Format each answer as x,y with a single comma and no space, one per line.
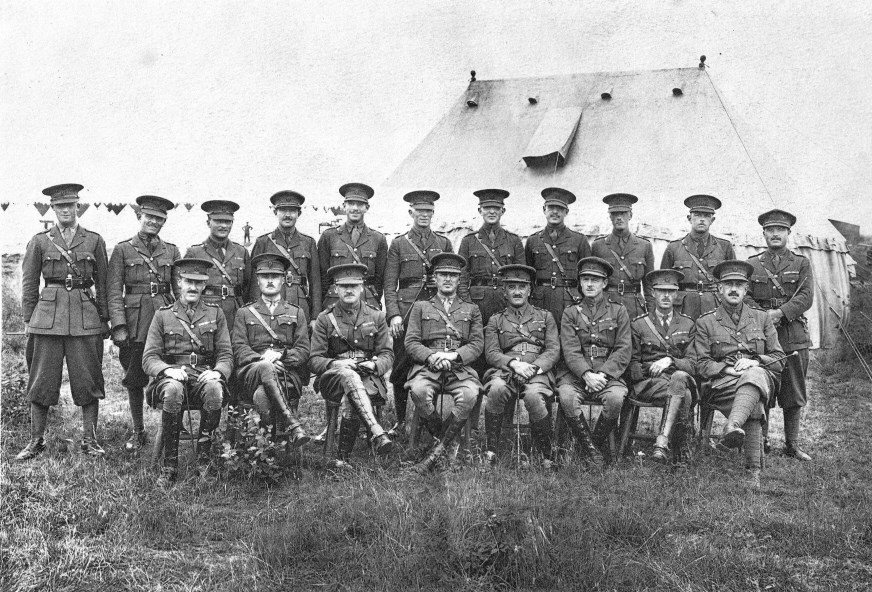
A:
355,341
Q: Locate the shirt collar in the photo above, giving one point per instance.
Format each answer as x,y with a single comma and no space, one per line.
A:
216,244
74,228
274,300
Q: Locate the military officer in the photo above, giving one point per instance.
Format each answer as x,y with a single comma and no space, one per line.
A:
782,285
354,242
270,348
66,319
554,252
408,278
631,257
351,352
140,282
303,280
695,256
189,356
661,366
736,347
230,274
597,346
521,346
444,338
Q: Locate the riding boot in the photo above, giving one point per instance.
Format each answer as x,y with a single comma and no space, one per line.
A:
624,418
290,424
135,397
89,429
604,427
746,399
581,432
661,445
38,419
401,403
170,423
348,430
452,429
541,433
433,423
209,421
493,427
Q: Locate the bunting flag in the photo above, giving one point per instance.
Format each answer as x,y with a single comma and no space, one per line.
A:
136,209
82,207
4,205
41,207
188,205
97,204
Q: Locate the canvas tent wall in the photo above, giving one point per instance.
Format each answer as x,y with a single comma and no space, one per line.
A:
600,133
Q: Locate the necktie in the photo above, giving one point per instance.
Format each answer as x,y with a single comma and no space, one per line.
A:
355,234
776,260
492,237
271,305
190,312
700,249
447,304
553,235
67,234
664,322
149,243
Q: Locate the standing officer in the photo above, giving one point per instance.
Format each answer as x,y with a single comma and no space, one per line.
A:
661,367
782,285
521,346
696,255
444,339
354,242
554,252
408,278
270,347
303,280
189,356
230,273
140,282
64,320
631,257
731,347
351,351
597,346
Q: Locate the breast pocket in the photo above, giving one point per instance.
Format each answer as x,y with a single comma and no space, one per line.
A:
686,267
364,337
569,256
136,272
85,263
287,328
759,287
44,314
253,331
338,256
543,258
537,329
477,293
53,265
432,326
302,259
368,259
606,331
411,266
176,341
208,330
462,321
757,341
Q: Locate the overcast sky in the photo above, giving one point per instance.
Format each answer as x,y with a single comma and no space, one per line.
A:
238,100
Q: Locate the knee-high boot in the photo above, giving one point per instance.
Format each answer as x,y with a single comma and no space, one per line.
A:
209,421
452,429
348,430
604,427
581,432
541,433
170,423
661,445
493,427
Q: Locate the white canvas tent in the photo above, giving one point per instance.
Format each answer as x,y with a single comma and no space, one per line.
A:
662,135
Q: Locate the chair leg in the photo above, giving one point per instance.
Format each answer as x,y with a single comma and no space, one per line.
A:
157,451
332,425
707,417
628,430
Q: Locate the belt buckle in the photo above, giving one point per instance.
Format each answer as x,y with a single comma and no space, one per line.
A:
621,287
553,282
774,302
68,282
225,292
153,288
194,358
699,285
448,344
594,351
495,282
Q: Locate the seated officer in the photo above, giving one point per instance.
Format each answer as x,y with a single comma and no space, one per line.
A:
444,338
597,345
188,355
270,348
736,347
351,352
661,367
521,346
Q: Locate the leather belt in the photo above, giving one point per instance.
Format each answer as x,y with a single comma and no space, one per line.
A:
596,351
354,354
412,282
492,281
296,280
625,288
772,303
152,288
448,344
71,283
191,359
223,291
698,286
524,348
552,281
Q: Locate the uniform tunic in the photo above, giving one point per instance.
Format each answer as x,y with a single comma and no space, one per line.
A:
303,279
794,298
227,292
428,333
594,338
699,292
65,323
167,337
722,337
528,334
650,346
480,282
250,339
631,257
135,293
336,247
554,291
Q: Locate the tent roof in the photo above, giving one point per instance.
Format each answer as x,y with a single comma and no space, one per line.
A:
645,140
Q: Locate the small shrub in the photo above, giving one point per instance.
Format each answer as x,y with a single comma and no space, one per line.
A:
248,451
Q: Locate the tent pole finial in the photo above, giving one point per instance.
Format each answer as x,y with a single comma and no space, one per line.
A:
702,62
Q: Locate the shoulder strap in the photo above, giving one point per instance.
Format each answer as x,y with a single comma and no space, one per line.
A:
146,260
654,330
417,250
263,322
353,253
699,264
774,279
189,330
621,263
583,316
218,264
520,328
556,259
285,253
487,250
448,324
73,269
335,324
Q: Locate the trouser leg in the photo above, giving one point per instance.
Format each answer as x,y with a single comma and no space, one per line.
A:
753,443
135,398
745,404
89,420
170,422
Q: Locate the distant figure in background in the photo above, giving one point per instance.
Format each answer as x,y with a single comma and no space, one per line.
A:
230,273
303,279
246,234
65,320
354,242
140,282
783,286
696,256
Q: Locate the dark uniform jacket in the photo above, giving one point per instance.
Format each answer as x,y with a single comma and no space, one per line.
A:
720,340
528,334
554,290
363,335
250,338
227,291
698,294
405,273
631,259
303,280
135,292
597,339
167,337
335,247
55,310
652,345
480,282
794,297
428,333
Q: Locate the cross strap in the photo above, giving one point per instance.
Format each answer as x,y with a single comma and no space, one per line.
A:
353,253
418,251
197,341
286,253
583,316
335,324
699,264
654,330
562,271
520,328
147,261
448,324
73,269
263,322
621,264
219,265
487,250
775,281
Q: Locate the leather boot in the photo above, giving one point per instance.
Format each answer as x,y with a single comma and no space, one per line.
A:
135,398
452,429
33,449
348,430
493,428
433,423
209,421
382,444
604,427
290,423
541,433
581,432
170,423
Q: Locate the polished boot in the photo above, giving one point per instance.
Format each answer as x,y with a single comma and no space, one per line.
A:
746,400
135,397
33,449
382,444
348,430
209,421
38,419
452,429
791,434
540,431
493,428
401,403
670,413
290,424
433,423
89,430
604,427
581,432
170,423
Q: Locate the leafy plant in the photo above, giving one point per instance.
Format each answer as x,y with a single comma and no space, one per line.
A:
248,450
